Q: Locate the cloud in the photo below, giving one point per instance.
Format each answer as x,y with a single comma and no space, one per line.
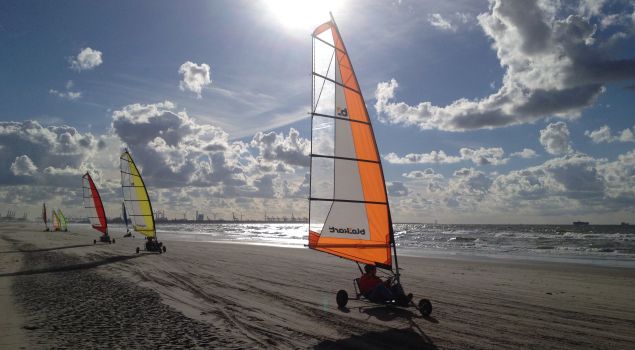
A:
274,147
23,166
86,59
175,151
450,23
426,174
525,153
397,189
68,94
604,134
555,138
194,77
479,156
36,155
555,65
437,21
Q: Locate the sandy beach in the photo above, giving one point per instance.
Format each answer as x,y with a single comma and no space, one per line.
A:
58,290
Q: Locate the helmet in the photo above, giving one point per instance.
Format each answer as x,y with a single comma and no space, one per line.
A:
369,268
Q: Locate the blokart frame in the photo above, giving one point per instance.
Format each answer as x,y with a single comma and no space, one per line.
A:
424,305
105,238
153,245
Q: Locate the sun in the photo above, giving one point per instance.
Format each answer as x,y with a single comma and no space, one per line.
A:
297,14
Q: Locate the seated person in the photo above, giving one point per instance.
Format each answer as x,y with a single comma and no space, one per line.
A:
378,291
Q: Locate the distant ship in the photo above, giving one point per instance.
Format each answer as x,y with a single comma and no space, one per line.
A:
580,223
625,224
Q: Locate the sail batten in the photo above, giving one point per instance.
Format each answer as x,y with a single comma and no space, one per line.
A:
349,210
137,205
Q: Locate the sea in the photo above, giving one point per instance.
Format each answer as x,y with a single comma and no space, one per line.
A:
589,244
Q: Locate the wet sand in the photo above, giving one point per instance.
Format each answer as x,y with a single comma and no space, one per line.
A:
58,290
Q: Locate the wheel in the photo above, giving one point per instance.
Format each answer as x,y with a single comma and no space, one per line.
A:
425,307
341,298
113,241
164,249
94,241
137,250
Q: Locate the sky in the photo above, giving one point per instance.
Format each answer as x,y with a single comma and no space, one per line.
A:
488,112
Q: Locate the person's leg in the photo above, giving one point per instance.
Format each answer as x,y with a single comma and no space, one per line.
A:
380,294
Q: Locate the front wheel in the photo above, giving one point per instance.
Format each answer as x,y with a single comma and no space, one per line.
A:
113,241
137,250
341,298
164,250
94,241
425,307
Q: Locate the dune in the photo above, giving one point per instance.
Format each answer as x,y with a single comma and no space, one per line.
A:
58,290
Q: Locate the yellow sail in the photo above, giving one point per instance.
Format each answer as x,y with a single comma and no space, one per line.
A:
135,196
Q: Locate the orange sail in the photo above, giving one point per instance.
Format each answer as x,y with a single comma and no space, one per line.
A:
349,214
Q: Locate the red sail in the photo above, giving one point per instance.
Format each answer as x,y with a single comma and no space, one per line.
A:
92,202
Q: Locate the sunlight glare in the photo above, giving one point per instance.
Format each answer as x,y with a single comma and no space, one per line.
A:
296,14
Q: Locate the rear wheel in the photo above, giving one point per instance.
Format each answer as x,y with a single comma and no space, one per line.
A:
164,249
137,250
113,241
341,298
425,307
94,241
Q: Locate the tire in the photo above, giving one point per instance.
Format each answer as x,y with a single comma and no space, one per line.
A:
94,241
113,241
341,298
425,307
137,250
164,250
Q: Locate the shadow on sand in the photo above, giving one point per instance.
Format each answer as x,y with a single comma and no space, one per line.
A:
46,249
391,339
80,266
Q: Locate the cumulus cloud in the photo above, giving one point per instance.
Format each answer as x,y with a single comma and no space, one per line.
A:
396,189
23,166
604,134
525,153
32,154
479,156
194,77
555,138
426,174
555,65
275,147
176,151
86,59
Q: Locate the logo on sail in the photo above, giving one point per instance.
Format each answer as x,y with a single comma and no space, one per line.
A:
348,230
